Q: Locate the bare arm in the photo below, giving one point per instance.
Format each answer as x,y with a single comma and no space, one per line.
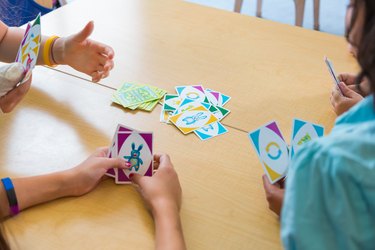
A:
162,195
10,39
77,181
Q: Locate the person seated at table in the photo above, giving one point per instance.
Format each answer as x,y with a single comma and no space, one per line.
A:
161,192
353,93
329,198
78,51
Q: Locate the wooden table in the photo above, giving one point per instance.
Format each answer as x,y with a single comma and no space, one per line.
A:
271,70
63,119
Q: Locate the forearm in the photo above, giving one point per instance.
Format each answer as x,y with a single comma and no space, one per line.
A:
10,40
168,229
35,190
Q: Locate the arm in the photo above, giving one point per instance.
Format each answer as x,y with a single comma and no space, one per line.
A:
77,181
78,51
162,195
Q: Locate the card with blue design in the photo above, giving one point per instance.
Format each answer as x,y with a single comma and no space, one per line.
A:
195,93
205,122
193,119
302,133
210,131
137,149
272,150
112,152
217,98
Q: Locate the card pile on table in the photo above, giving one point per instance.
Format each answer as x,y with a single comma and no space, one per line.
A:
138,96
136,148
272,150
195,109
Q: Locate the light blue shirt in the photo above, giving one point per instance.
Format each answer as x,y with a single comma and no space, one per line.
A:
330,192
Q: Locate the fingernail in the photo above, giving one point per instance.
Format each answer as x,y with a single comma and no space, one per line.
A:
128,164
131,175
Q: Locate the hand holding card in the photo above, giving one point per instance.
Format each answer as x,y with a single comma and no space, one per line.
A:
136,148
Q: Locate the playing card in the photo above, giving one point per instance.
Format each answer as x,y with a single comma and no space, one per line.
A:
195,93
164,116
220,112
303,132
187,104
217,98
171,102
136,96
29,48
136,148
272,150
210,131
193,119
332,72
112,153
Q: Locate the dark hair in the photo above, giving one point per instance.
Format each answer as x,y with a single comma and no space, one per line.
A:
366,46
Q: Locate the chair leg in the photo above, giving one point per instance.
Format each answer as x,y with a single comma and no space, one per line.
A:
300,9
238,5
259,8
316,14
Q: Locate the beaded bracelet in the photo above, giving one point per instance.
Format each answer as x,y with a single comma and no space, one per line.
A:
47,51
11,194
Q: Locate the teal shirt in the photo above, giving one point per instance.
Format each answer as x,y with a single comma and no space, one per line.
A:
330,192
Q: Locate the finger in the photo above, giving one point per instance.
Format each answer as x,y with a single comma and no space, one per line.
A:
107,51
96,76
136,179
109,163
85,32
108,65
266,184
103,59
348,79
164,161
105,74
101,152
347,91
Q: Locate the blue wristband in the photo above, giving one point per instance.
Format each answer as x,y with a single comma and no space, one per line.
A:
11,194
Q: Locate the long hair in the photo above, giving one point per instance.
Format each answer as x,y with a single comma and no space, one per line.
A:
366,45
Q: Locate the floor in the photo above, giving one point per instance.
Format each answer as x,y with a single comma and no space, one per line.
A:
332,12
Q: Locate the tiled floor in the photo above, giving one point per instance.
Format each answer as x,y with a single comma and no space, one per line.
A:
332,12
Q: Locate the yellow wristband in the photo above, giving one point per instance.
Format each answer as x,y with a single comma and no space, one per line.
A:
47,51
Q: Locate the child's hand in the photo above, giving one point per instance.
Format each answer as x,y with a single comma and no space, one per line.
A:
10,95
342,103
85,55
274,195
86,176
350,80
162,191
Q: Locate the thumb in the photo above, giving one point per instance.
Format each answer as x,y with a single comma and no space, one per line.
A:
85,33
109,163
346,91
135,178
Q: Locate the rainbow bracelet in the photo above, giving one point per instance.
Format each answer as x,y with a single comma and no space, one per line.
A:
47,51
11,194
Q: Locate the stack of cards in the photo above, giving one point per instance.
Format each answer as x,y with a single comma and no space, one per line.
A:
136,148
273,151
195,109
29,48
138,96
